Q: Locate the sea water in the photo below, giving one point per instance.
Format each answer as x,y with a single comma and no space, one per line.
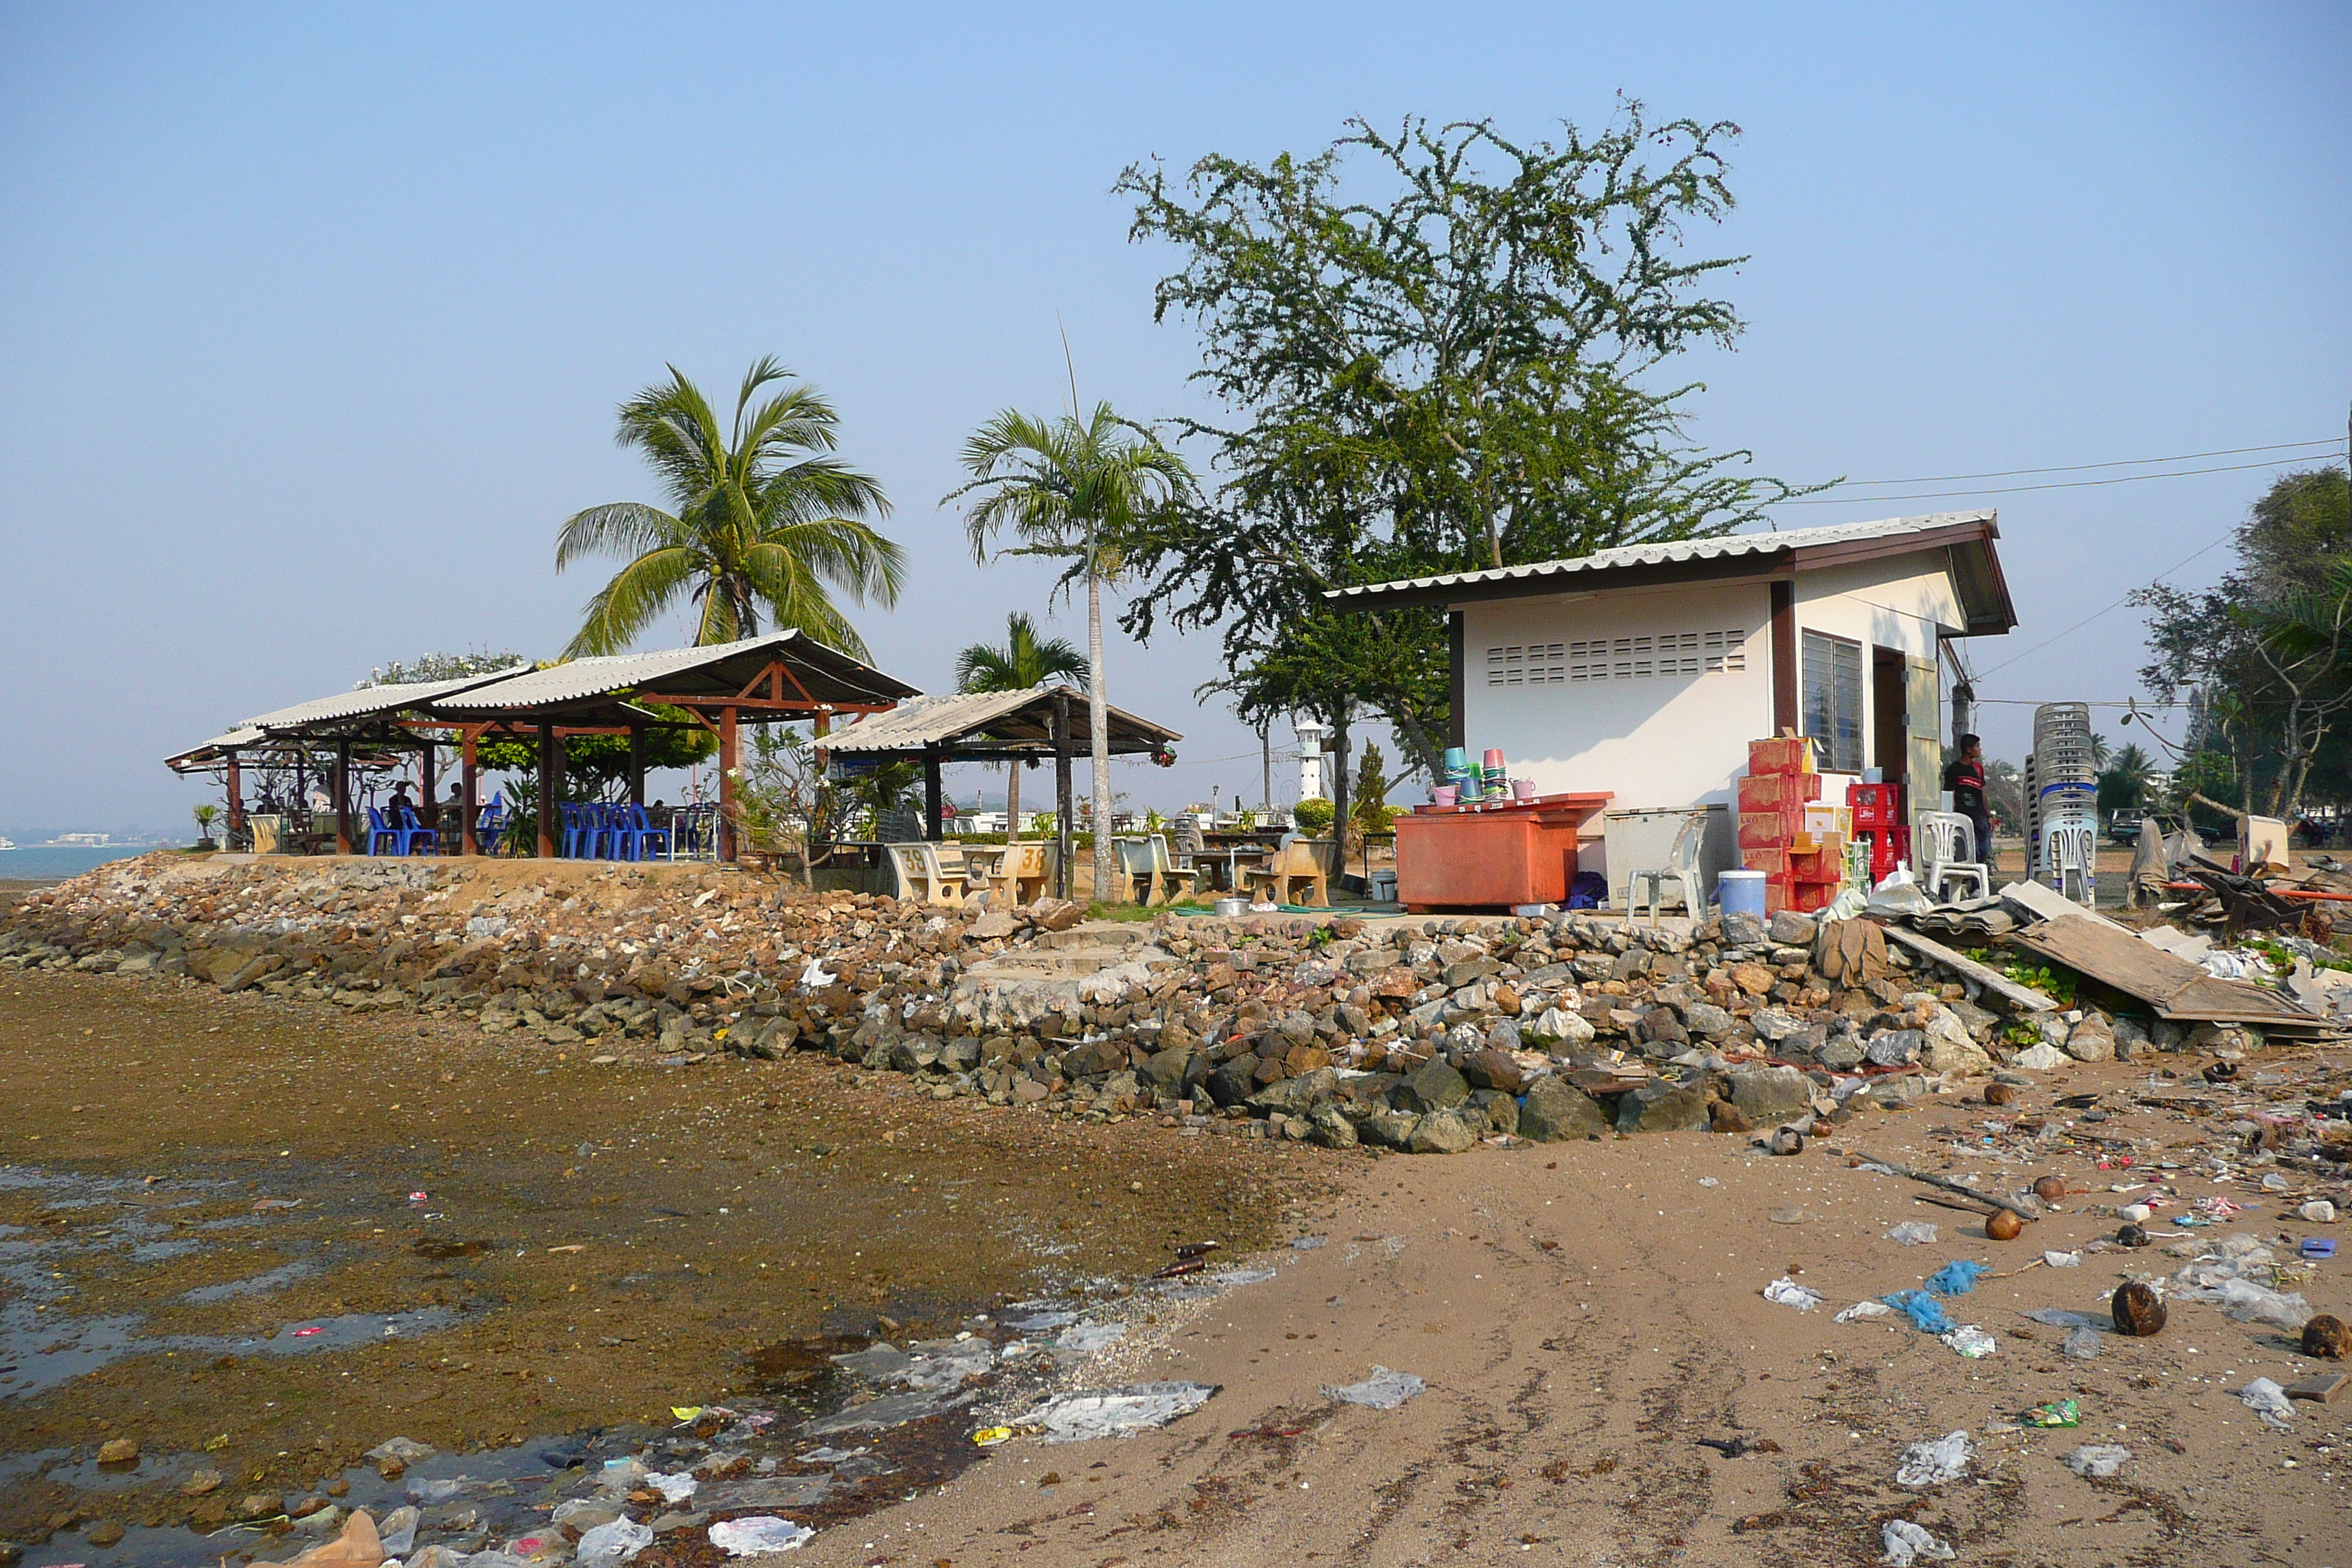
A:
55,863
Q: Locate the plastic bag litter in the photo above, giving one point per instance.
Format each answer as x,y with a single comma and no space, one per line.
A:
1970,1342
1786,1292
2269,1400
1934,1463
397,1533
816,976
1090,1336
760,1532
2062,1260
358,1546
1860,1311
2082,1343
1927,1313
615,1542
1907,1543
1384,1390
2251,1303
2057,1413
2060,1318
1956,1277
1115,1412
407,1450
2097,1460
676,1487
1914,1233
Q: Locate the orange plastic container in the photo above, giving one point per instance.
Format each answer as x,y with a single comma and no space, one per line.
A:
1491,859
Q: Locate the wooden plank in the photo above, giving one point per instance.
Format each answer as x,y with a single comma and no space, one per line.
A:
1992,980
2178,990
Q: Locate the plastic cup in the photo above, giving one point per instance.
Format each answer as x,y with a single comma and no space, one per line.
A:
1446,795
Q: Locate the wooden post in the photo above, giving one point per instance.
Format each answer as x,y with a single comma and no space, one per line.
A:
431,814
636,764
469,841
932,828
235,798
550,758
1065,838
342,797
727,846
1785,717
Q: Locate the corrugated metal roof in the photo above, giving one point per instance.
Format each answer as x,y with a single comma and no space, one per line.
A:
364,702
1010,720
213,750
1677,550
830,675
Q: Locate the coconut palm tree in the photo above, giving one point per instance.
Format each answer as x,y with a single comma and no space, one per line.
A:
762,519
1025,660
1072,489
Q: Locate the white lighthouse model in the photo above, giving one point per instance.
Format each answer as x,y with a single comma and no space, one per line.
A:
1314,778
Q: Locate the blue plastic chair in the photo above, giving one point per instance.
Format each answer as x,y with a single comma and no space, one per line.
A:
490,824
643,835
613,832
568,848
416,834
380,831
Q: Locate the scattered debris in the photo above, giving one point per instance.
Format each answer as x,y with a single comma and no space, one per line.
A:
1115,1412
2099,1461
1384,1390
1933,1463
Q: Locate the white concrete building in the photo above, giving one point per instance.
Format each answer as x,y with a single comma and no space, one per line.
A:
1313,735
1646,670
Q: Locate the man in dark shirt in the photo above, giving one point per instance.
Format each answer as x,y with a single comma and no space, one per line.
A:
1964,776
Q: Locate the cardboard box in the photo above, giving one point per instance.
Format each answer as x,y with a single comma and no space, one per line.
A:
1768,829
1772,862
1809,898
1822,818
1782,754
1773,791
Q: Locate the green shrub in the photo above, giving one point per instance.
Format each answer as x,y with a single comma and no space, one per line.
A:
1314,816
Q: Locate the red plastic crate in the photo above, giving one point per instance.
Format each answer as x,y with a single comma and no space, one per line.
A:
1875,805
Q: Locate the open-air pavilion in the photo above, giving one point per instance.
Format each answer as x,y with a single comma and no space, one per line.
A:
1014,728
763,679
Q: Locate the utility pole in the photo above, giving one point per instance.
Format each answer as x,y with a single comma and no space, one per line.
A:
1266,766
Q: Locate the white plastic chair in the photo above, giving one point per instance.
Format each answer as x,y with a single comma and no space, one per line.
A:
1952,854
1682,866
2071,847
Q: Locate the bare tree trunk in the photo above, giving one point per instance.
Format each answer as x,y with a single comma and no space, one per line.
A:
1095,718
1013,799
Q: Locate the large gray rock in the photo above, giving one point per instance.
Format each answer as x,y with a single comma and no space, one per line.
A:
1839,1053
2091,1040
1434,1086
1497,1109
1950,1048
1389,1128
1293,1096
1555,1111
1558,1028
1708,1020
1770,1095
1663,1106
1742,930
1331,1129
1896,1047
1491,1070
1442,1132
1775,1024
1233,1081
1791,928
1165,1069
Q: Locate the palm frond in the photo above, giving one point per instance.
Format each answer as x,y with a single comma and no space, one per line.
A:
636,596
621,528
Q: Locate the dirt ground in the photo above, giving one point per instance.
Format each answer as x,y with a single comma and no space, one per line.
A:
556,1245
1584,1314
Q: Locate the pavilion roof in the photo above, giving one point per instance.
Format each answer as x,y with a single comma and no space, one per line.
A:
981,726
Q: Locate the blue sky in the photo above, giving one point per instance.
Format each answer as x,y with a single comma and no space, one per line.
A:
313,319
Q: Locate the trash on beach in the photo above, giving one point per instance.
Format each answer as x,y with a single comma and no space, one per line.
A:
816,976
1305,1243
1861,1311
989,1436
1907,1543
2062,1259
1956,1277
2097,1460
397,1533
1914,1233
1115,1412
2057,1413
1970,1342
685,1413
1786,1292
2082,1343
2269,1400
1088,1336
1931,1464
403,1450
617,1540
1927,1313
1384,1390
676,1487
2317,1246
760,1532
358,1546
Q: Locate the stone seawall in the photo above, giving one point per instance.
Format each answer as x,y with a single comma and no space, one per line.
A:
1428,1035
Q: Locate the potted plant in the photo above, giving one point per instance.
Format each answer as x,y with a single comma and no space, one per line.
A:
206,815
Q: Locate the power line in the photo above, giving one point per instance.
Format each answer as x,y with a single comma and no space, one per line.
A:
2119,603
2078,468
2017,490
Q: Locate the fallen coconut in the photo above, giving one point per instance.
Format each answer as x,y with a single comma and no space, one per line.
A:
2003,1226
2326,1337
2050,1189
2139,1310
1999,1094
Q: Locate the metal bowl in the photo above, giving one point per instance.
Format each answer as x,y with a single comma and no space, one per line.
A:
1231,909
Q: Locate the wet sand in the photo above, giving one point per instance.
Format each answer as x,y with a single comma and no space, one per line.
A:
592,1245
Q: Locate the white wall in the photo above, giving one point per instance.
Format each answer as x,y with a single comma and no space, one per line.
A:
1655,741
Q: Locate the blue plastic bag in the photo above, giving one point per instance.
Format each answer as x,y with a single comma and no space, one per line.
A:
1956,1277
1924,1311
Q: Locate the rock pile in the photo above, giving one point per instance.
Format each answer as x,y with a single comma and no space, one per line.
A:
1423,1036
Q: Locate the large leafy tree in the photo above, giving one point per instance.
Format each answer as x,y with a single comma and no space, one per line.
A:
2266,655
762,519
1463,369
1023,660
1075,490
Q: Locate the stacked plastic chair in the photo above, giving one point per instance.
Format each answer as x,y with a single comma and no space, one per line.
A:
2062,801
